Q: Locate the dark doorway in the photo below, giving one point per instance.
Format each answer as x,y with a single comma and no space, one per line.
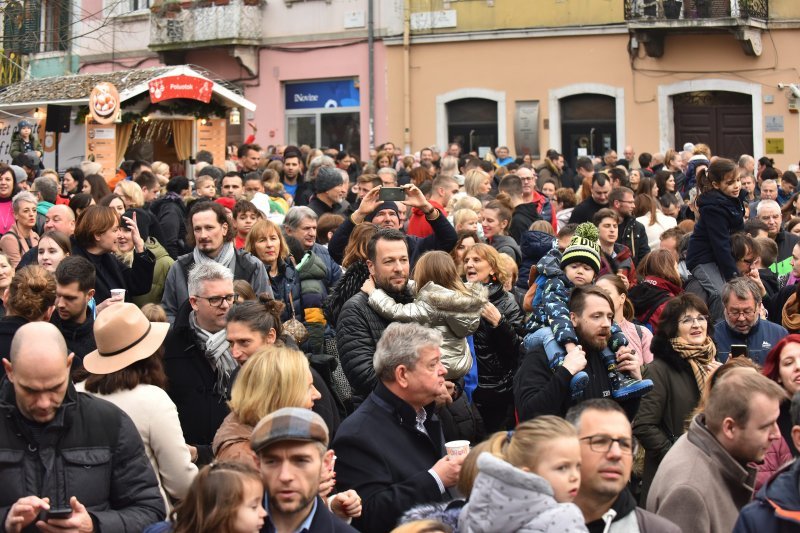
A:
588,121
722,120
472,123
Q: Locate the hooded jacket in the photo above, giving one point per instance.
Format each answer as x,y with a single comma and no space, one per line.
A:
776,507
505,498
720,217
454,314
649,297
699,486
534,245
170,210
90,450
524,215
663,411
506,245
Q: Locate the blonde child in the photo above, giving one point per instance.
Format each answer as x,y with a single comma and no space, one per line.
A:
537,470
205,187
443,302
466,220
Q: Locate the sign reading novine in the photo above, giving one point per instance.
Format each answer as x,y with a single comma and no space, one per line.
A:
322,94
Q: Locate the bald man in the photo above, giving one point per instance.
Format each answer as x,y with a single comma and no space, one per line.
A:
72,455
58,218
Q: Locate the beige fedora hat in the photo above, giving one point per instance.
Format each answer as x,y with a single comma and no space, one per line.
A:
123,336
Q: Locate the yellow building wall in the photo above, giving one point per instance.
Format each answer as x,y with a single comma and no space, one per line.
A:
784,9
528,69
477,15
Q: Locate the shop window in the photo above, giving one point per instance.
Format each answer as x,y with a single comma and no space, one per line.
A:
324,114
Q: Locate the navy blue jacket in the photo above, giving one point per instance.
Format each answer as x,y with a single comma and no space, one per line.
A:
720,217
776,507
534,245
762,337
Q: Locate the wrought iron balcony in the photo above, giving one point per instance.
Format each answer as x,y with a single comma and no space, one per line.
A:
187,25
649,21
695,10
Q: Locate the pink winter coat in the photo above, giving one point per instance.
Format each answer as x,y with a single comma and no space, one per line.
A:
778,454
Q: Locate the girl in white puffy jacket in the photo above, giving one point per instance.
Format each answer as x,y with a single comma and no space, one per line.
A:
443,302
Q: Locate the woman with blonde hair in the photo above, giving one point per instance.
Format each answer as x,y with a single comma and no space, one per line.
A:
449,166
443,302
497,339
131,194
477,184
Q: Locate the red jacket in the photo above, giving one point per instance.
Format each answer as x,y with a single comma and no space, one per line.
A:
417,224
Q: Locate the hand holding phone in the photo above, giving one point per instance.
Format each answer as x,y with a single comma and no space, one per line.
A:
739,350
392,194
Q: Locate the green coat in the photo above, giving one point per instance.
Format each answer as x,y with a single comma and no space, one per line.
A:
163,262
16,145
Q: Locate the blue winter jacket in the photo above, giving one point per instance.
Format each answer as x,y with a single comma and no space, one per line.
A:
776,507
534,245
762,337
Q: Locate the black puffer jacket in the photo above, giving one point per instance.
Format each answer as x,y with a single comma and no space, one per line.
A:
90,450
358,331
347,287
497,348
170,211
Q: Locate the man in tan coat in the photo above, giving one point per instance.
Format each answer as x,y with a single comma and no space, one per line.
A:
704,480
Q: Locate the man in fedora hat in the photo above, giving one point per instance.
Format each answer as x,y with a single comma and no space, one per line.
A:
67,454
292,449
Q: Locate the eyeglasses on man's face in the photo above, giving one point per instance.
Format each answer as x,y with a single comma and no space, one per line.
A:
603,444
216,301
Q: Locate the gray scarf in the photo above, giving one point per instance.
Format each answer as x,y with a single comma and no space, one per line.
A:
227,256
216,348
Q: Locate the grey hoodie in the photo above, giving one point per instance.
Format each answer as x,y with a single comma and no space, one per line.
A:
505,498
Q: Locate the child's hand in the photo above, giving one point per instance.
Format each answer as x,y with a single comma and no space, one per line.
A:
368,286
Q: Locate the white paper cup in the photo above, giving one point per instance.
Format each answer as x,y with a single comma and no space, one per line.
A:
118,295
457,448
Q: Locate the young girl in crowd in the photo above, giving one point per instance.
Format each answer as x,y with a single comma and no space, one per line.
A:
443,302
535,470
224,498
709,257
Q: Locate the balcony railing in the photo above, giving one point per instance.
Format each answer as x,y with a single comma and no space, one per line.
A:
185,25
696,9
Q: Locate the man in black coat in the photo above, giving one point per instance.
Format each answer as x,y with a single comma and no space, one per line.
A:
631,232
170,210
385,215
291,445
391,450
83,453
74,290
539,390
197,358
584,211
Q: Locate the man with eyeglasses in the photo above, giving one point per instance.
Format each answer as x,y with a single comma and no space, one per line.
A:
741,300
197,358
607,450
707,476
631,232
211,233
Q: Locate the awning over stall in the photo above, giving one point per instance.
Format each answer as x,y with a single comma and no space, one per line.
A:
74,90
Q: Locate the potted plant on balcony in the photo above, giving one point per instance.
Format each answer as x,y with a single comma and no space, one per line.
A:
703,8
672,8
650,8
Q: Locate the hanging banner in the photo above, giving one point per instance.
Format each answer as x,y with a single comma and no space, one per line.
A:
170,87
211,137
101,147
104,103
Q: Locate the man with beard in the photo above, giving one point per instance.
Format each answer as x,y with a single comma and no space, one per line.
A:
212,235
359,327
707,476
385,214
607,449
291,445
539,390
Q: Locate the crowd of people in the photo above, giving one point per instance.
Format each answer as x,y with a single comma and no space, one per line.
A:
296,340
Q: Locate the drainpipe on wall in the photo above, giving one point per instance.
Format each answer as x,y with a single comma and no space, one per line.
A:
406,76
371,54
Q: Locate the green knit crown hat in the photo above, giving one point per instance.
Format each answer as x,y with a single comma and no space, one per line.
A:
583,247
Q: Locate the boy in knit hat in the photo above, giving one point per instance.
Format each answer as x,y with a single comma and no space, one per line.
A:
551,326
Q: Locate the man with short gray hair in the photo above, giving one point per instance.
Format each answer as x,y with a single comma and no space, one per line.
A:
769,212
197,358
741,300
391,450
